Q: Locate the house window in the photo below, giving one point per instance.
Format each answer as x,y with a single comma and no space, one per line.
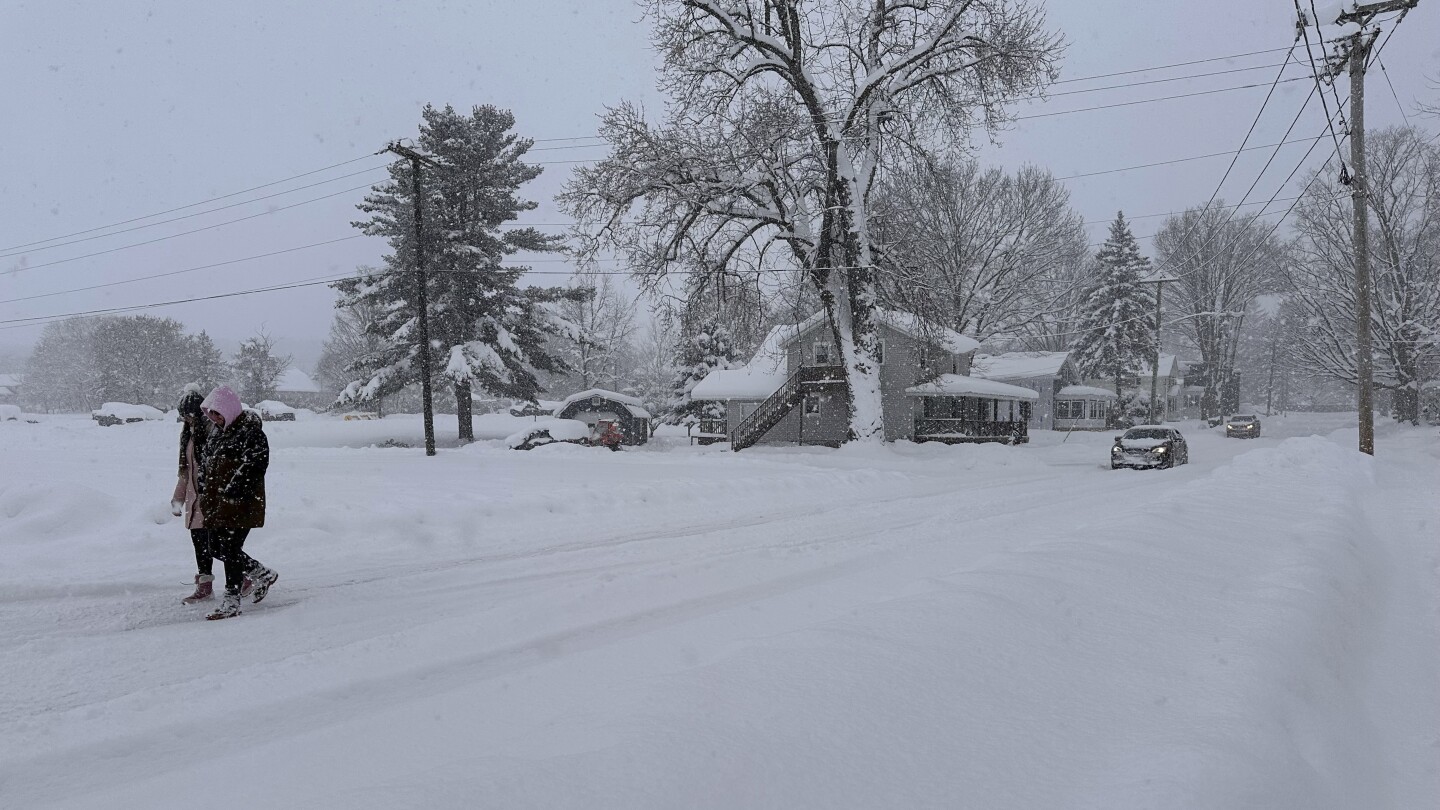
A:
1069,409
824,353
812,403
1097,409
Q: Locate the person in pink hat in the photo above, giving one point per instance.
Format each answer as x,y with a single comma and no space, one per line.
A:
232,494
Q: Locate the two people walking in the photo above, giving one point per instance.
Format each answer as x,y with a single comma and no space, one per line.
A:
221,493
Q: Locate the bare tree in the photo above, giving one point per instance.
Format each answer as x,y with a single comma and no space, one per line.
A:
779,114
604,326
983,252
1222,263
1404,194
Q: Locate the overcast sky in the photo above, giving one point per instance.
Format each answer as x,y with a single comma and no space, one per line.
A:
118,110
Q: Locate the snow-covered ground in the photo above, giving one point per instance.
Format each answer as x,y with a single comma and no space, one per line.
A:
676,626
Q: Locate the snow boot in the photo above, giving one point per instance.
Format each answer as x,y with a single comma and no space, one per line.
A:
229,606
264,578
204,589
247,587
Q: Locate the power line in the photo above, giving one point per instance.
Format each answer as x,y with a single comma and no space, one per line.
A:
15,270
1305,31
196,214
1182,160
181,272
1166,67
1258,114
192,205
1393,94
1153,100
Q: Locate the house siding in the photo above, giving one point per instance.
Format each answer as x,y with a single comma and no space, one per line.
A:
907,362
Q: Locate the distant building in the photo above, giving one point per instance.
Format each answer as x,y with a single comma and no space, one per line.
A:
10,385
298,390
1045,373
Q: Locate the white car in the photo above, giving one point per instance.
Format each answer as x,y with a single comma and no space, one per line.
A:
275,411
10,413
120,413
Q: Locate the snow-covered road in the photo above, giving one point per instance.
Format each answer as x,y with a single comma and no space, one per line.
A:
910,626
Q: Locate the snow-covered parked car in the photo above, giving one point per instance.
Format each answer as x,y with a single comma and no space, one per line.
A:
10,413
1149,446
1243,426
549,431
120,413
275,411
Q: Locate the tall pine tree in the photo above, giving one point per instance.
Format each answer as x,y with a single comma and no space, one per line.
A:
484,329
1117,318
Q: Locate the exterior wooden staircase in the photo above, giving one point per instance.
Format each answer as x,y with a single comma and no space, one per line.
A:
770,412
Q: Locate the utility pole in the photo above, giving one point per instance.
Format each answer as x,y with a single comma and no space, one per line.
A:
1152,411
1364,353
422,297
1357,53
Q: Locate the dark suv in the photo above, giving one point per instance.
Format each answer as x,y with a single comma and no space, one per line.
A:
1149,446
1243,426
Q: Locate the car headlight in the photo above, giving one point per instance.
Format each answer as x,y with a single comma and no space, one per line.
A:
1158,450
1115,449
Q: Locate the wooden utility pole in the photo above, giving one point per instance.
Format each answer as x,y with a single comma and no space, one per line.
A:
1364,354
422,296
1357,54
1152,411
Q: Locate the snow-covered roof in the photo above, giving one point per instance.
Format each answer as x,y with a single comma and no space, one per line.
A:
961,385
11,380
295,381
1085,392
633,405
1169,365
1018,365
739,383
906,322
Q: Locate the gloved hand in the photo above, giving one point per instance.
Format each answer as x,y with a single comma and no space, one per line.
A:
177,508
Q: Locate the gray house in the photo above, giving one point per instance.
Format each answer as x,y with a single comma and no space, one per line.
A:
1042,372
794,391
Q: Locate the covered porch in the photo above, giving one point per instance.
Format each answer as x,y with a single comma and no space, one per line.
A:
955,408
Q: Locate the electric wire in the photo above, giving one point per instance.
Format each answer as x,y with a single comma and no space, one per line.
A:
194,204
1153,100
196,214
15,270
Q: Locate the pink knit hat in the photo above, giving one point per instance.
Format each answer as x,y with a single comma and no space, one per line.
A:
224,402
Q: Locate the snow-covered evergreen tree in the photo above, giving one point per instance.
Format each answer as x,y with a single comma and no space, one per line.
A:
258,368
485,330
205,363
706,347
1116,337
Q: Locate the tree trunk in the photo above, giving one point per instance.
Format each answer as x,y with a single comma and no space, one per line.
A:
463,411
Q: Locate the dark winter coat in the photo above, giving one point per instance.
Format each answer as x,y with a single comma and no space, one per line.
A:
232,483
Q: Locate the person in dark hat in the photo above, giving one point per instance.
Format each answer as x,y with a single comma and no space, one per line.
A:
185,501
232,494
